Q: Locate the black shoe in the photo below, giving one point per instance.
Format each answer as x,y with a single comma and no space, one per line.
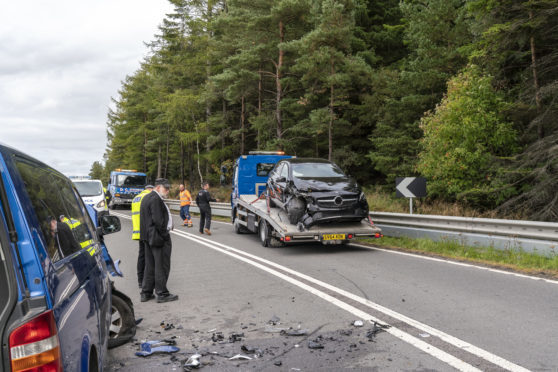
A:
167,298
201,232
146,297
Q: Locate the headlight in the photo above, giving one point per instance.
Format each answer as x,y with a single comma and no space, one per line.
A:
101,204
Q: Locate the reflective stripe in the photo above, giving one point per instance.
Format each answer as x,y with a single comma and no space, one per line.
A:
134,213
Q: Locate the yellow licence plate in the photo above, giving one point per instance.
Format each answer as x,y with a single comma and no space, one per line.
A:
333,237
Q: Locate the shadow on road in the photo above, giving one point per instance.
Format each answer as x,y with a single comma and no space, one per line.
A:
319,249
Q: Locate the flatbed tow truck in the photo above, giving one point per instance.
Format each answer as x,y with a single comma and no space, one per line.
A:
252,213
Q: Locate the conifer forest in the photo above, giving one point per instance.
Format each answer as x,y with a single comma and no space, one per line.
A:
461,92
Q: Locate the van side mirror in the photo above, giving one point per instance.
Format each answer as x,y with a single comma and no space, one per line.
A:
109,224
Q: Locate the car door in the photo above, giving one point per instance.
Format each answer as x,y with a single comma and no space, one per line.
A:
75,273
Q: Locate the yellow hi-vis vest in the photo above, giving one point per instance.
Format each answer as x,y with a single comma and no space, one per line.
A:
136,203
77,226
185,198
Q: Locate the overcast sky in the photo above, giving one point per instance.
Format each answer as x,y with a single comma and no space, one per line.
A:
60,63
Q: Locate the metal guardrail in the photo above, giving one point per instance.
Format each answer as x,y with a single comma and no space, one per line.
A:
529,236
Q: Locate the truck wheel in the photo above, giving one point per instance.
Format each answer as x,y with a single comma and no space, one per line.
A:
122,323
264,233
295,210
237,227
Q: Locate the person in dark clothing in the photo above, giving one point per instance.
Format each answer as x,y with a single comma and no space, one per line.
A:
202,200
155,226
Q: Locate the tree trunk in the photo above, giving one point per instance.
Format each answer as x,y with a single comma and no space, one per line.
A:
225,120
279,91
242,126
167,155
540,128
182,161
331,115
144,151
159,160
191,172
258,144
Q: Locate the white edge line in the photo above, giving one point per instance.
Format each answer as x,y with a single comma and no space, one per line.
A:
456,263
426,328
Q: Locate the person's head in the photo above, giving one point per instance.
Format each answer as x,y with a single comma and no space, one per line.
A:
181,187
162,186
149,187
205,185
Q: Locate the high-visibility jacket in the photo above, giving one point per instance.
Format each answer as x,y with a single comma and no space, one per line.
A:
76,226
136,203
185,198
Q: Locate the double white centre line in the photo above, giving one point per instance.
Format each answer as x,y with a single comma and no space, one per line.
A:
300,280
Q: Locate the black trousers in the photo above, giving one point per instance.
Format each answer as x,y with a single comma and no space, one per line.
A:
157,268
141,261
205,217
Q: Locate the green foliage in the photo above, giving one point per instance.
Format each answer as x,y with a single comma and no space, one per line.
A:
464,135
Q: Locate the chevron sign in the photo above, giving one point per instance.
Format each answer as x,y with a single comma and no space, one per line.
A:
410,187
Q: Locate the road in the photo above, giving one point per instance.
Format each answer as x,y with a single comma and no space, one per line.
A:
440,315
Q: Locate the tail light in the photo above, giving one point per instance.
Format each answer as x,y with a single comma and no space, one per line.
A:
378,235
350,236
287,238
34,346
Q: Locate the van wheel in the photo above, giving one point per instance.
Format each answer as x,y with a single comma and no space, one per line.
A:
295,210
122,322
264,233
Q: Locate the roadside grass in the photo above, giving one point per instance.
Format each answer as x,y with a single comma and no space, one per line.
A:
510,259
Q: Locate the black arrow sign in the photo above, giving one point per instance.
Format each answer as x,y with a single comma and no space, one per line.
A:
410,187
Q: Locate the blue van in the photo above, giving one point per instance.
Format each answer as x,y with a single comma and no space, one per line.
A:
55,293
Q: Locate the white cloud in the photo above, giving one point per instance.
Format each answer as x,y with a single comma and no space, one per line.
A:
60,64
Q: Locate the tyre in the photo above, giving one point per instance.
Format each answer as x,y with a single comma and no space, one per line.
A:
122,323
237,227
264,233
295,210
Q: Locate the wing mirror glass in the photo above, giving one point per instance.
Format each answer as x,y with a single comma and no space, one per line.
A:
109,224
281,179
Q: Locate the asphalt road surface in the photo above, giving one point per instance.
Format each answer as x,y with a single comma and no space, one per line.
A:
418,313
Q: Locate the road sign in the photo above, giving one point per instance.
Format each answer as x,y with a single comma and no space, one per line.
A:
410,187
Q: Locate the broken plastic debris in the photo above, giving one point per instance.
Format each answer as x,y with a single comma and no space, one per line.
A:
216,337
235,337
138,320
376,328
424,335
295,332
315,345
278,363
274,320
157,346
358,323
212,330
269,329
240,357
193,361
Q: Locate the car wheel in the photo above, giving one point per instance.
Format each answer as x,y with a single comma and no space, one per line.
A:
121,322
264,233
295,210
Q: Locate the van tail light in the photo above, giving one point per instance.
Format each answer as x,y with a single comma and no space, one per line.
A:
34,346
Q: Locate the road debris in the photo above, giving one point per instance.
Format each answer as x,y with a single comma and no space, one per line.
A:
157,346
193,361
234,337
217,337
358,323
376,328
424,335
295,332
315,345
278,363
240,357
167,326
274,320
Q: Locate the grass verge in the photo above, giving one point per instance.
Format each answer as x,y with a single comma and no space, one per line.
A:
509,259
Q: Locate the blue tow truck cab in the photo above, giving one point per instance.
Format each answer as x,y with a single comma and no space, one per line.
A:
124,185
250,173
55,293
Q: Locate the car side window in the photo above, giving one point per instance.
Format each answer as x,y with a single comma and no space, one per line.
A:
275,173
57,208
284,171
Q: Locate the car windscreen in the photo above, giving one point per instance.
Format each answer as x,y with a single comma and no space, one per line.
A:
125,180
316,170
89,188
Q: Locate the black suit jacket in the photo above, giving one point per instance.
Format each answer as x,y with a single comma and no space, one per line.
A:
154,219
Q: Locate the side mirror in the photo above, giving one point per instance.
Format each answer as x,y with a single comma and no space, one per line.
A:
109,224
281,179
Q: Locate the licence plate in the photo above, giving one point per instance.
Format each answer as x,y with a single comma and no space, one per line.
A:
333,237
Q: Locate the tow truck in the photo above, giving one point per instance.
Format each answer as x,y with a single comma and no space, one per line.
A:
124,185
251,210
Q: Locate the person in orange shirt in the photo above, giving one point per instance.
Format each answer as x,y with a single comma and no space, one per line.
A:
185,201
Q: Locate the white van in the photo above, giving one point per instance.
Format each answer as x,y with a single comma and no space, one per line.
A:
92,193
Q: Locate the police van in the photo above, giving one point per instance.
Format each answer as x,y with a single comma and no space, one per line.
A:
91,192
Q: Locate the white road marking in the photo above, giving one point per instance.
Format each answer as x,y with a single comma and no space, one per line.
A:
503,363
456,263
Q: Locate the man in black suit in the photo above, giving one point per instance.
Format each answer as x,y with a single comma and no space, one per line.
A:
155,226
